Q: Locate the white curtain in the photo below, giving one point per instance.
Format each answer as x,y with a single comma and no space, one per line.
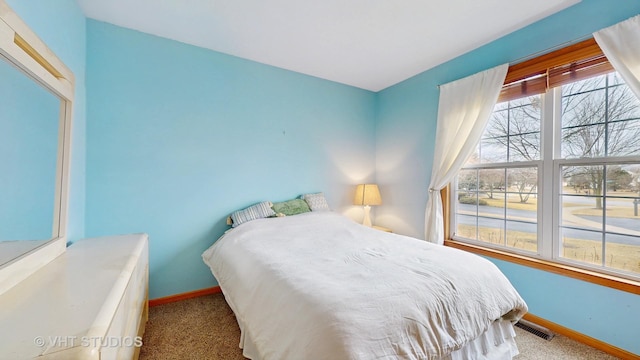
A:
621,44
463,111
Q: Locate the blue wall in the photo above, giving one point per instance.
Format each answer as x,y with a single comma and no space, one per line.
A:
606,314
405,130
62,26
179,137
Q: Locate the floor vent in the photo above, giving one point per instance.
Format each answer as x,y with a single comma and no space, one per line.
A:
536,330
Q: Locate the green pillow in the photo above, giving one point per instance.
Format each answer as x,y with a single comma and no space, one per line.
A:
291,207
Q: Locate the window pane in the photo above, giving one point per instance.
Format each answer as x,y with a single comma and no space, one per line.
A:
524,128
581,212
493,146
600,117
491,206
583,118
583,141
522,235
492,185
513,131
498,124
466,226
581,208
584,180
467,204
522,206
610,213
622,180
582,246
524,116
623,200
624,138
467,181
491,230
522,199
621,218
582,199
493,150
524,147
623,103
622,253
584,86
522,185
583,108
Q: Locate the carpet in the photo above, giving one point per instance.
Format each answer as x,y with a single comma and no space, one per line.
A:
205,328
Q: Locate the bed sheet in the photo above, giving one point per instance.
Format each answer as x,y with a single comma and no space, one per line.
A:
319,286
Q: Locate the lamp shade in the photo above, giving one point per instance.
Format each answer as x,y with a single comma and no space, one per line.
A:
367,194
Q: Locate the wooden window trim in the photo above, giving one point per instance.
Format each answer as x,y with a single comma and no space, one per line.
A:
593,277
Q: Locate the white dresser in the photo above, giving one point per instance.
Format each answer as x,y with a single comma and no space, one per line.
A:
88,303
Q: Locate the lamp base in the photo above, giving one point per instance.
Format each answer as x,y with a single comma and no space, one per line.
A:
367,216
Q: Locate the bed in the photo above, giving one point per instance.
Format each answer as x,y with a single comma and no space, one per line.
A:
320,286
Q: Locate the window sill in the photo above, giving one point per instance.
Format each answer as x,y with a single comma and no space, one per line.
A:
610,281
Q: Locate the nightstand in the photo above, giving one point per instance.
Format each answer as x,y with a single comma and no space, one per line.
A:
381,228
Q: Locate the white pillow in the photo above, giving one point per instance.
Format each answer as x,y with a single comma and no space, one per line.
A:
316,202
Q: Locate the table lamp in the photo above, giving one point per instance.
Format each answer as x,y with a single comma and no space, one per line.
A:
367,195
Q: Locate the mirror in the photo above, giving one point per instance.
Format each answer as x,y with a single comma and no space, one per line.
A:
29,122
36,92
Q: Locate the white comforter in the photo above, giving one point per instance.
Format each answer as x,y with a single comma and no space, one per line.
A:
319,286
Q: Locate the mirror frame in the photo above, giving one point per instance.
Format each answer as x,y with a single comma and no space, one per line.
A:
22,48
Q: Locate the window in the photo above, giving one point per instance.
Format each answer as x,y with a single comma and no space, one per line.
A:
556,174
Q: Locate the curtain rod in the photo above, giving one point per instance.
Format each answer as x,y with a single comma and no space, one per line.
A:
552,48
547,50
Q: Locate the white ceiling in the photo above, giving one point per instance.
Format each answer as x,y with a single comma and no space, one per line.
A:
370,44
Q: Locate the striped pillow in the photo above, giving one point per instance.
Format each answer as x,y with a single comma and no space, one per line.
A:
316,202
257,211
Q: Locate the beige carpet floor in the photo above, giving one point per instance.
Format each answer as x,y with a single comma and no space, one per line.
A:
205,328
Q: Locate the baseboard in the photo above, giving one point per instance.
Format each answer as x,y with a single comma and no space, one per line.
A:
579,337
184,296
